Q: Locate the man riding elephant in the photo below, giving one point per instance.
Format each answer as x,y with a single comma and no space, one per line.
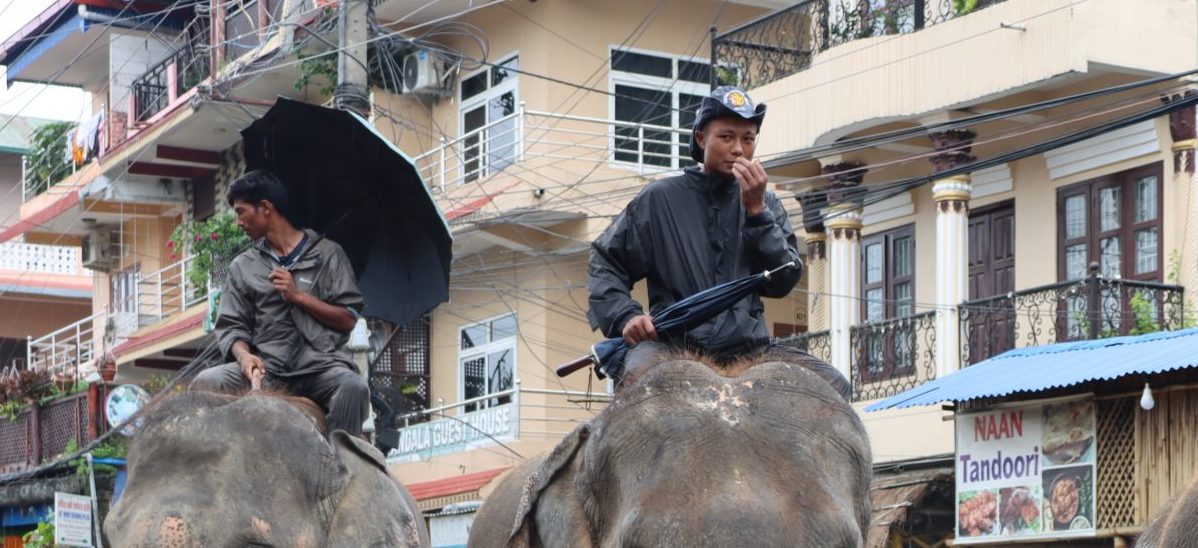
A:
712,224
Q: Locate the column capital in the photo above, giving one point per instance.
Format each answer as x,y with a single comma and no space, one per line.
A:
844,221
844,181
952,148
1182,130
817,246
952,192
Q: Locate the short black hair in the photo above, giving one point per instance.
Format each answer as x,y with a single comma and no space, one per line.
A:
258,185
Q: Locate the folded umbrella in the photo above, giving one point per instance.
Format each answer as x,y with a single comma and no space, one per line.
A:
674,319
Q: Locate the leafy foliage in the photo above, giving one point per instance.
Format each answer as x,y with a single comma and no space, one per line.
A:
213,242
42,537
18,388
47,163
316,67
964,6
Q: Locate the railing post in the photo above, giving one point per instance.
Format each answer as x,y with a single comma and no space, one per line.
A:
1093,302
441,164
714,76
640,148
516,409
29,352
78,344
520,133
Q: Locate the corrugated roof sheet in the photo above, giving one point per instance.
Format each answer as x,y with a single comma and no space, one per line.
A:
1038,368
453,485
17,131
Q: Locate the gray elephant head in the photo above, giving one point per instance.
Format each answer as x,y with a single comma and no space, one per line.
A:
1176,525
209,470
690,455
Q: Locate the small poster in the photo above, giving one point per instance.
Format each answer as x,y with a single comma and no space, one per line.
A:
72,520
1026,472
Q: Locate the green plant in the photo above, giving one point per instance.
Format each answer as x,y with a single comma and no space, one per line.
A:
10,409
213,243
1143,313
316,65
47,163
42,537
113,448
961,7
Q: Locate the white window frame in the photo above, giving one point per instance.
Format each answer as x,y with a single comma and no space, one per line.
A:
674,86
465,105
482,350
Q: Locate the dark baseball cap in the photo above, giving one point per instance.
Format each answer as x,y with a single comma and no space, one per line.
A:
724,102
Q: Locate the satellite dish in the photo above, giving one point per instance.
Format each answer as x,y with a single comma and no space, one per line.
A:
122,403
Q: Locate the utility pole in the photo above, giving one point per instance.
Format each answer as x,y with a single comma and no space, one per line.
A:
352,92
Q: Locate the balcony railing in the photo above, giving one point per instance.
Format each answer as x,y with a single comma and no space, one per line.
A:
1094,308
164,82
891,356
531,136
786,41
40,259
816,343
65,349
509,415
42,431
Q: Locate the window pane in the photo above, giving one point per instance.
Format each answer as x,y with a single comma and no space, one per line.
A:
1109,257
473,336
875,305
499,370
902,256
640,63
873,263
904,301
241,29
474,378
504,71
691,71
1146,199
1075,217
648,106
501,137
474,85
1075,262
503,328
472,145
1108,209
688,105
1147,258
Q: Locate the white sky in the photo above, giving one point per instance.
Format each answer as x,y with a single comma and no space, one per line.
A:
54,102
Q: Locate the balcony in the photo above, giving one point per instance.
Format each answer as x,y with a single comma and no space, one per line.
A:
786,41
895,355
517,414
526,139
40,259
163,83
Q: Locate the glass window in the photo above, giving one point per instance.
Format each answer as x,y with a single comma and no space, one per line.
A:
1075,216
488,128
640,63
647,92
475,335
488,360
504,70
1146,207
887,274
503,327
1105,219
691,71
1075,262
1110,257
902,256
1108,209
875,305
474,85
1147,258
643,106
874,263
904,300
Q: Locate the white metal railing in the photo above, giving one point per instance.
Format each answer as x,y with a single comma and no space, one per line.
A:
528,135
41,259
158,295
67,348
504,415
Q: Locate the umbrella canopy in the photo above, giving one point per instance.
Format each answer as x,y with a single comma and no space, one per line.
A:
353,186
685,314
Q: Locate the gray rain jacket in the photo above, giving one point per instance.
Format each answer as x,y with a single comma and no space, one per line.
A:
289,340
685,234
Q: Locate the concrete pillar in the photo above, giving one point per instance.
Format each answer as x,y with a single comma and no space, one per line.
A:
1182,130
817,281
951,195
842,222
352,91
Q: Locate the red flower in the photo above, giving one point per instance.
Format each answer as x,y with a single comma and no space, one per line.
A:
213,236
198,237
170,244
174,257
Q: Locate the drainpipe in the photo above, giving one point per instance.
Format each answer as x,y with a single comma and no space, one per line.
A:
352,92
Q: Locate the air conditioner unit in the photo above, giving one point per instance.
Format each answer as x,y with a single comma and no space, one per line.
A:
100,252
422,73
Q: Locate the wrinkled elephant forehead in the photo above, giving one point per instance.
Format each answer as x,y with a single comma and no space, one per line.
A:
267,424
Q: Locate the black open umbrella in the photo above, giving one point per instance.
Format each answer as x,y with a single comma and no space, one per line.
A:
354,187
674,319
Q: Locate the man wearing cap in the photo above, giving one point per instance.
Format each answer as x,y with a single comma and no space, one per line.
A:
714,223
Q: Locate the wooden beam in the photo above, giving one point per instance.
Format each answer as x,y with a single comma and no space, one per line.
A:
193,155
169,170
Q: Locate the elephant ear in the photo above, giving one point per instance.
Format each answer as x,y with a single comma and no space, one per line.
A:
368,485
359,447
536,485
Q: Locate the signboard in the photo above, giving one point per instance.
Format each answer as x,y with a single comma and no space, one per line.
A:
454,434
1026,472
72,520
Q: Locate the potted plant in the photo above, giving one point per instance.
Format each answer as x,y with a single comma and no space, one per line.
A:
107,368
212,243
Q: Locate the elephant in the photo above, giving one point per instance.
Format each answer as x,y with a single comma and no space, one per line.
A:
691,453
1176,525
216,470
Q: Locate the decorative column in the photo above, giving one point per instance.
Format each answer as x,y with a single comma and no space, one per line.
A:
842,222
1181,128
815,266
951,195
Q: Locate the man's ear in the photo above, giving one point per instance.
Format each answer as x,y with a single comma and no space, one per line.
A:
700,139
267,206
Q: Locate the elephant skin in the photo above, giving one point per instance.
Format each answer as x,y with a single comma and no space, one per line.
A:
691,456
211,470
1176,525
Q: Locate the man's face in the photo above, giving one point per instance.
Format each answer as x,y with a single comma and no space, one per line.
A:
252,219
724,140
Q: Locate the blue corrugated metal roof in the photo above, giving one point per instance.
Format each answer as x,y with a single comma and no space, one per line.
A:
1039,368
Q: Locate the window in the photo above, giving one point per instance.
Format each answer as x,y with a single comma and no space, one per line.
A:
655,89
1115,221
123,293
489,99
884,346
487,354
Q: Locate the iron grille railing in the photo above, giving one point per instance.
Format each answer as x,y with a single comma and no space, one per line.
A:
1094,308
816,343
786,41
891,356
41,431
154,89
399,373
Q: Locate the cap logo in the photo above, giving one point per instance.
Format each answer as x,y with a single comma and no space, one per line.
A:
736,99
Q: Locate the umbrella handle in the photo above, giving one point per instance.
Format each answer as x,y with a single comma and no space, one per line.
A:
570,367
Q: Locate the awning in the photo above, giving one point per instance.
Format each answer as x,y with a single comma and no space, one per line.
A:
1038,368
893,496
431,495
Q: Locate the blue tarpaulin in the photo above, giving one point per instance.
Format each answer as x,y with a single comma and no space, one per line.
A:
1051,366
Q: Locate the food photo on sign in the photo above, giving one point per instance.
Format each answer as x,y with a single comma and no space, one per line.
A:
1069,432
1069,498
977,513
1020,510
